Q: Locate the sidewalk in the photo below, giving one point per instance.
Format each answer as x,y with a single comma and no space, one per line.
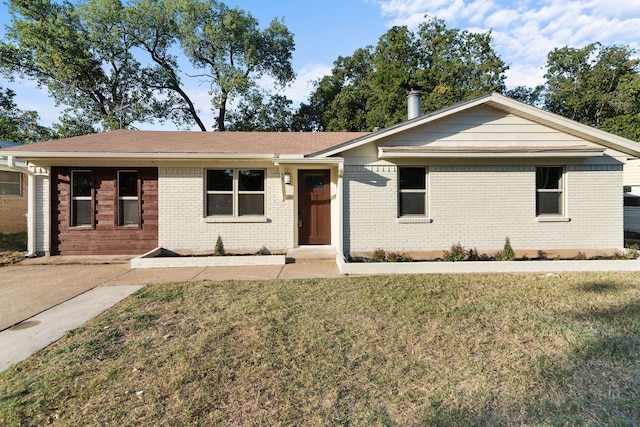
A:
43,298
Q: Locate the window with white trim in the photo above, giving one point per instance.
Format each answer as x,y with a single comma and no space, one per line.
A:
412,189
128,198
235,192
81,198
10,183
549,190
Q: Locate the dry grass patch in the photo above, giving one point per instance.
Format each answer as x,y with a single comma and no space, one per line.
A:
408,350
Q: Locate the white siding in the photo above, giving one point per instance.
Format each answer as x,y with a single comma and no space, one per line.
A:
485,126
182,222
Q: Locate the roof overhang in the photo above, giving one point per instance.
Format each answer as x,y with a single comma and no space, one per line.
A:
293,159
392,152
31,156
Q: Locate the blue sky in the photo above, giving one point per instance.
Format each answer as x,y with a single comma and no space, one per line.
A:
524,31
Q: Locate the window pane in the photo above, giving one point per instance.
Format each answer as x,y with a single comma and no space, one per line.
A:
128,212
412,204
251,204
10,183
81,185
250,180
412,178
550,203
220,180
10,177
81,213
314,181
219,204
128,184
549,178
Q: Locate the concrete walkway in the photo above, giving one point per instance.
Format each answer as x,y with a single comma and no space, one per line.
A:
43,298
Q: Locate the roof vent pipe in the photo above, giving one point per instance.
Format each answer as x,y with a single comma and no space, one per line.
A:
414,102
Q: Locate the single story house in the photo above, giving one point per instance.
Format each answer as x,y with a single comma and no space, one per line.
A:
13,196
474,173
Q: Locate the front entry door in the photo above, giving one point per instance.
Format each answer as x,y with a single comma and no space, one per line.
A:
314,207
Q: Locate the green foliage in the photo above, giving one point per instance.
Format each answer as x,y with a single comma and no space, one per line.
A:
87,54
259,111
507,253
83,55
231,48
17,125
380,255
596,85
369,88
456,253
219,249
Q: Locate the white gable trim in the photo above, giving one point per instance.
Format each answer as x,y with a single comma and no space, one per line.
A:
508,105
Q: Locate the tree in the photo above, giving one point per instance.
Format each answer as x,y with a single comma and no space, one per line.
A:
228,44
369,89
154,28
595,85
17,125
253,113
83,55
532,96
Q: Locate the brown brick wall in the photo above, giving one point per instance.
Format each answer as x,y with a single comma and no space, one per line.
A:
13,210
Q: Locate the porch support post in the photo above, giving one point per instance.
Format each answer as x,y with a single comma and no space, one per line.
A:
340,199
31,215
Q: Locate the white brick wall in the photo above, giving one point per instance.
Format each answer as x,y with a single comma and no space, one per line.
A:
43,209
479,206
183,226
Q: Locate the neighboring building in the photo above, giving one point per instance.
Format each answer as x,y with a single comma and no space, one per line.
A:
474,173
13,196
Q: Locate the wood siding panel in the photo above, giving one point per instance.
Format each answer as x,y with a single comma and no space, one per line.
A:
104,237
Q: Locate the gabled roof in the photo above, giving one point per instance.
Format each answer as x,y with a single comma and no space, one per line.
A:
176,144
507,105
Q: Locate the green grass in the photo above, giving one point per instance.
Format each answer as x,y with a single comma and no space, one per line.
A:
388,351
12,242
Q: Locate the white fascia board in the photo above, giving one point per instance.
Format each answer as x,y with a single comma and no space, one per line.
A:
308,160
139,156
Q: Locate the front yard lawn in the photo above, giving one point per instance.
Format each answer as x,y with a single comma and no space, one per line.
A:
413,350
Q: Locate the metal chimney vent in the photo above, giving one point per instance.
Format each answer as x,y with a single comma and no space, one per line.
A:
414,103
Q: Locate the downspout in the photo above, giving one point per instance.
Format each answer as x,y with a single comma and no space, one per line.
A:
31,204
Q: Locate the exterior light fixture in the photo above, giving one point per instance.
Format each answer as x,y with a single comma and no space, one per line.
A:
287,178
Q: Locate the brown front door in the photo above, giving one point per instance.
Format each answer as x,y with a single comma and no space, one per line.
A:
314,207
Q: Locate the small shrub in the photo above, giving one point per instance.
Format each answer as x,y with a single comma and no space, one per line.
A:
457,252
379,255
506,254
263,251
219,249
581,256
633,251
473,255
